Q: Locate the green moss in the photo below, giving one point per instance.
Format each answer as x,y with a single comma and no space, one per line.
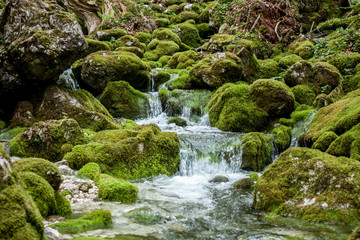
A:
160,78
162,22
44,139
341,146
93,220
312,185
114,189
254,176
182,60
256,153
130,154
219,42
41,191
137,51
95,45
187,15
2,125
144,216
63,207
282,136
89,170
108,34
244,184
143,37
166,47
273,97
326,79
230,109
164,97
178,121
324,141
355,234
303,94
268,68
152,45
127,41
166,34
304,49
11,133
351,83
122,100
45,169
164,60
346,62
289,60
188,33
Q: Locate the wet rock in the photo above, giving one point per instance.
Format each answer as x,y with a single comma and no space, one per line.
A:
219,179
244,184
62,162
66,171
52,234
77,190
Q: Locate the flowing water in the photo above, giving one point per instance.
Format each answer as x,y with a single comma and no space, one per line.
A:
189,206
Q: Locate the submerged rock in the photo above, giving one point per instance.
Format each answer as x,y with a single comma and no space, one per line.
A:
244,184
219,179
312,185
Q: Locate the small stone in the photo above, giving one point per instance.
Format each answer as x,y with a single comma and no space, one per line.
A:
52,234
219,179
245,184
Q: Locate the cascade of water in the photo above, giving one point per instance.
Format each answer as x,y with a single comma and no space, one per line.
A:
155,104
300,128
67,79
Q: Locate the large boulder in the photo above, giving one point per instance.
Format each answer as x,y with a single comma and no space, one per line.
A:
122,100
273,97
312,185
231,109
129,154
105,66
45,139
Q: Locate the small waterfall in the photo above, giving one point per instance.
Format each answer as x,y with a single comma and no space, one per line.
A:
204,120
300,128
67,79
186,113
155,104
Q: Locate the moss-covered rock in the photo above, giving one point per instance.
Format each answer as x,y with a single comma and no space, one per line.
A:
216,70
324,141
115,189
109,34
129,154
312,185
162,22
63,207
127,41
23,115
96,219
41,191
326,79
273,97
11,133
95,45
299,73
345,62
188,34
256,153
166,34
182,60
122,100
219,42
135,50
304,94
102,67
282,136
20,218
268,68
44,139
231,109
143,37
289,60
304,49
178,121
244,184
159,78
89,170
342,145
254,176
44,168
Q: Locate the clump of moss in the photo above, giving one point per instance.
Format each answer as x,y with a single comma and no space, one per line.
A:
289,60
89,170
95,45
130,154
162,22
114,189
256,153
164,97
324,141
166,34
178,121
160,78
122,100
44,139
182,60
254,176
346,62
127,41
282,136
268,68
188,33
11,133
108,34
161,48
312,185
143,37
304,49
244,184
63,207
96,219
48,170
303,94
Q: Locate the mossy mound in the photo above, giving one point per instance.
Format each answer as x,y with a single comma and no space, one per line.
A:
143,37
273,97
127,41
326,79
312,185
63,207
130,154
324,141
166,34
188,33
44,139
102,67
44,168
137,51
20,218
41,191
256,153
289,60
93,220
89,170
244,184
95,45
231,109
346,144
282,136
219,42
178,121
114,189
345,62
79,105
304,94
159,78
161,48
182,60
124,101
268,68
305,49
109,34
299,73
216,70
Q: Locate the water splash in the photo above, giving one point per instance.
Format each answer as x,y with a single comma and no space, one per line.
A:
67,79
300,128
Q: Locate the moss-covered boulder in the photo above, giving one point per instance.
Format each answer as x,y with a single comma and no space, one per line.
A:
182,60
44,168
102,67
219,42
273,97
256,153
178,121
129,154
231,109
127,41
96,219
216,70
166,34
124,101
345,62
115,189
305,49
63,207
159,78
89,170
44,139
324,141
288,60
159,48
19,216
268,68
41,191
188,34
108,34
312,185
327,77
299,73
303,94
244,184
282,136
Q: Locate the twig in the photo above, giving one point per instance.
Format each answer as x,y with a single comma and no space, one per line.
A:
276,28
239,51
312,25
256,21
